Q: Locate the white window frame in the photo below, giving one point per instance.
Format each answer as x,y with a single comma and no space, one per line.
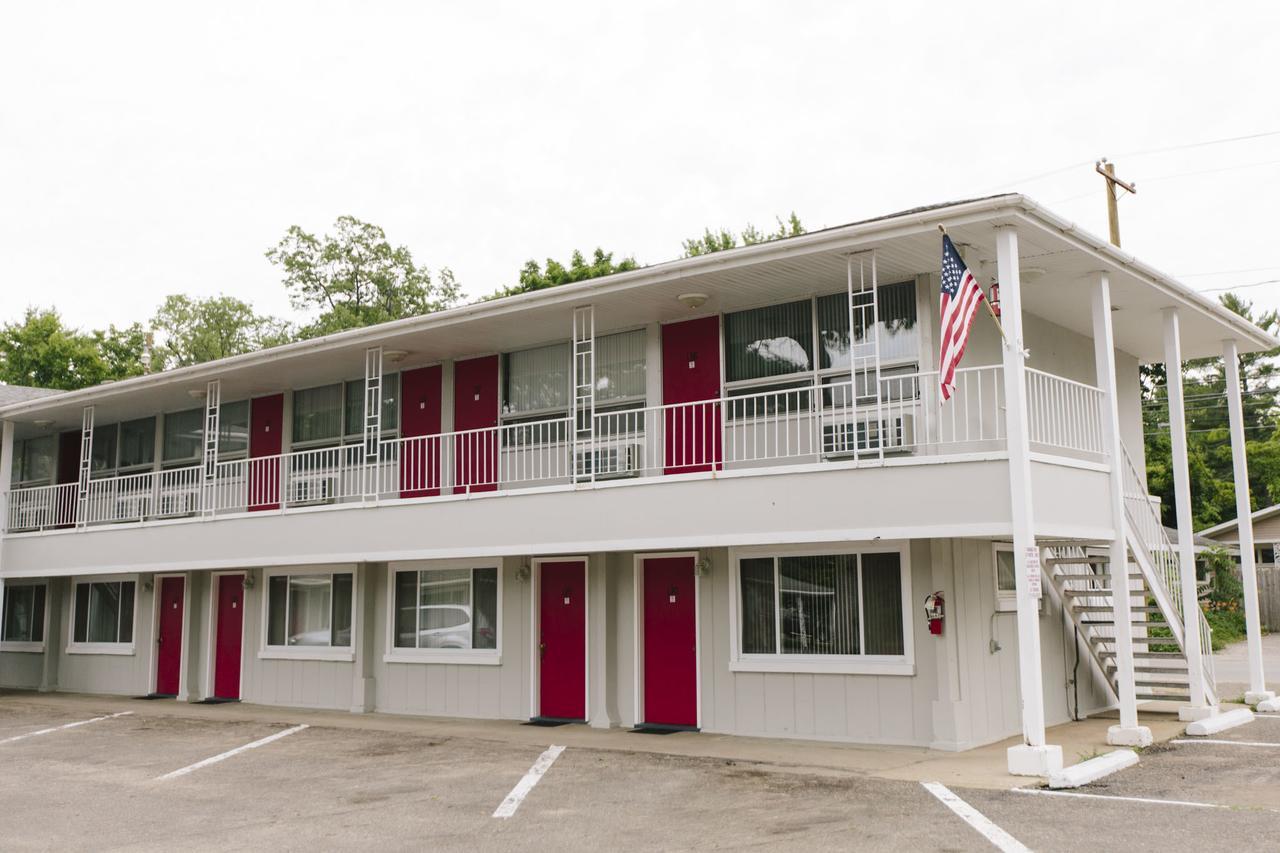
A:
229,455
26,646
480,657
861,664
180,461
122,470
1006,600
74,648
321,653
19,447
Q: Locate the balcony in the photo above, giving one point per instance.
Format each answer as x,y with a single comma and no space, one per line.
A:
840,424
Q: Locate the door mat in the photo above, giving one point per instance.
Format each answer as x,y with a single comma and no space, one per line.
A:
214,700
652,729
156,696
546,724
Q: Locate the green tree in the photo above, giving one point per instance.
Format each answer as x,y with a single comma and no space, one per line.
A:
718,241
535,277
194,330
40,350
355,277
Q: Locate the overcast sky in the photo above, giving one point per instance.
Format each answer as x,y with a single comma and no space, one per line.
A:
148,149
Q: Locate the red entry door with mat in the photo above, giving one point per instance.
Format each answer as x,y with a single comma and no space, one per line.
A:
266,437
420,421
475,407
691,374
68,472
229,635
169,636
670,642
562,641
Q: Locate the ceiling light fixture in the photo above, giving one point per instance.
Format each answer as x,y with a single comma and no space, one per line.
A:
693,300
395,356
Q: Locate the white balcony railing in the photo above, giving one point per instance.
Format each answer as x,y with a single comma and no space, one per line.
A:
825,423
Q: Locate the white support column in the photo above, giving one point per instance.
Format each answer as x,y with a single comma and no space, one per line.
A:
212,430
1199,707
584,393
1128,732
1034,757
6,473
372,422
1257,691
86,462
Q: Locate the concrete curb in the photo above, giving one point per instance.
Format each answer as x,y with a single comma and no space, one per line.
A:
1093,769
1269,705
1220,722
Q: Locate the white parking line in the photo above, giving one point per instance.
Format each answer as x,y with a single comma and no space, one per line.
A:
1232,742
525,785
997,836
1041,792
225,755
65,726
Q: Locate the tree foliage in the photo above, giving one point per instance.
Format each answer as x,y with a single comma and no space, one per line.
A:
41,351
192,330
535,277
355,277
719,240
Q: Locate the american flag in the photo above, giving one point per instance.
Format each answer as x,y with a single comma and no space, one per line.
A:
961,296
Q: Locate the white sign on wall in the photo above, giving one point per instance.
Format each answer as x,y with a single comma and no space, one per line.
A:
1033,571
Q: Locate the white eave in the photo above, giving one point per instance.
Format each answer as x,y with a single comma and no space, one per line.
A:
1227,526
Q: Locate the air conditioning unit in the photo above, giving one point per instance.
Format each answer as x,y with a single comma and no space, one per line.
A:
184,502
132,507
894,432
615,460
314,489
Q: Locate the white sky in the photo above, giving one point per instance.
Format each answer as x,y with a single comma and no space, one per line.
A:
161,148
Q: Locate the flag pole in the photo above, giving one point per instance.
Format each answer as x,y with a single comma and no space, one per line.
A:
985,301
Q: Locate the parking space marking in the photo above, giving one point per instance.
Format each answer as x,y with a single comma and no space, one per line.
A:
65,726
525,785
997,836
1231,742
225,755
1043,792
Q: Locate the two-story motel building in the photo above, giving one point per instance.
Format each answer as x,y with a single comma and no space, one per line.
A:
713,493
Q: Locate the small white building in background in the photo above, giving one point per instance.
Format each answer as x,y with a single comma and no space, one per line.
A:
715,493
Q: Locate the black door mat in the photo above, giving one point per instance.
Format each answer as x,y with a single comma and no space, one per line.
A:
547,723
214,700
157,696
655,729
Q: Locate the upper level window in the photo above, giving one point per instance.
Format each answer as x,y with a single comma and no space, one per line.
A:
317,414
33,461
183,436
103,612
447,609
137,444
102,461
539,381
620,368
310,609
23,618
233,429
766,342
354,406
897,331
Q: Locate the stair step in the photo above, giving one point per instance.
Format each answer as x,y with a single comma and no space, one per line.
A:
1106,654
1106,608
1150,623
1091,560
1164,697
1067,576
1145,641
1099,592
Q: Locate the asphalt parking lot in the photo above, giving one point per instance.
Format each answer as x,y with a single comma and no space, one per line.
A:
150,780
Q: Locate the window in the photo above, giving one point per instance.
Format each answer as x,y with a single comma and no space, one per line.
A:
822,607
183,436
317,414
23,617
1006,579
354,392
233,429
137,443
1266,553
455,609
767,342
899,336
536,380
102,461
33,461
310,610
620,368
103,612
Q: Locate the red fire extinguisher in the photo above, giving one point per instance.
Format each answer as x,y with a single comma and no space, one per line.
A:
995,297
934,612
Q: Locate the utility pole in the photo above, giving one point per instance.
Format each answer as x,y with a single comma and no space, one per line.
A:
1114,185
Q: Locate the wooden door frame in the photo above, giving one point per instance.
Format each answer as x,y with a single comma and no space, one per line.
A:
637,600
154,667
535,617
211,634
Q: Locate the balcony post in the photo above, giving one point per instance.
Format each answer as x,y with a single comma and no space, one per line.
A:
86,461
1257,691
6,478
1199,707
212,429
372,422
1128,732
584,394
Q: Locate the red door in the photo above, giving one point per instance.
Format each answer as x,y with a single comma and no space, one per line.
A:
266,437
169,636
670,642
562,626
228,636
475,407
68,472
420,429
690,374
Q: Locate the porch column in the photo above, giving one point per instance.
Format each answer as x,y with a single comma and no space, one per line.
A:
1128,733
372,422
6,473
584,394
1199,707
1033,757
212,431
86,462
1257,691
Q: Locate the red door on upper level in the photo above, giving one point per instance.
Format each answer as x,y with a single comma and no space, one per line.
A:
691,374
169,636
68,472
229,633
562,640
266,439
475,407
670,642
420,420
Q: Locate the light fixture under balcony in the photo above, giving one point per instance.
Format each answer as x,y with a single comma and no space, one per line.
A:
693,300
43,423
197,393
395,356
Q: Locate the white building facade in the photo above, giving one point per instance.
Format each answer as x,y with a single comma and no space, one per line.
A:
717,493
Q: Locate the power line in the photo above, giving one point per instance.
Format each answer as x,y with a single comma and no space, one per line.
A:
1210,171
1239,286
1223,272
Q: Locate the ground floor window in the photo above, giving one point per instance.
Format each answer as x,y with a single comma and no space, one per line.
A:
23,618
103,612
845,605
310,609
446,609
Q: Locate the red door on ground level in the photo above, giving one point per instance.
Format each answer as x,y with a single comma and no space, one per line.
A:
169,636
420,431
562,641
691,376
266,440
670,642
475,411
228,637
